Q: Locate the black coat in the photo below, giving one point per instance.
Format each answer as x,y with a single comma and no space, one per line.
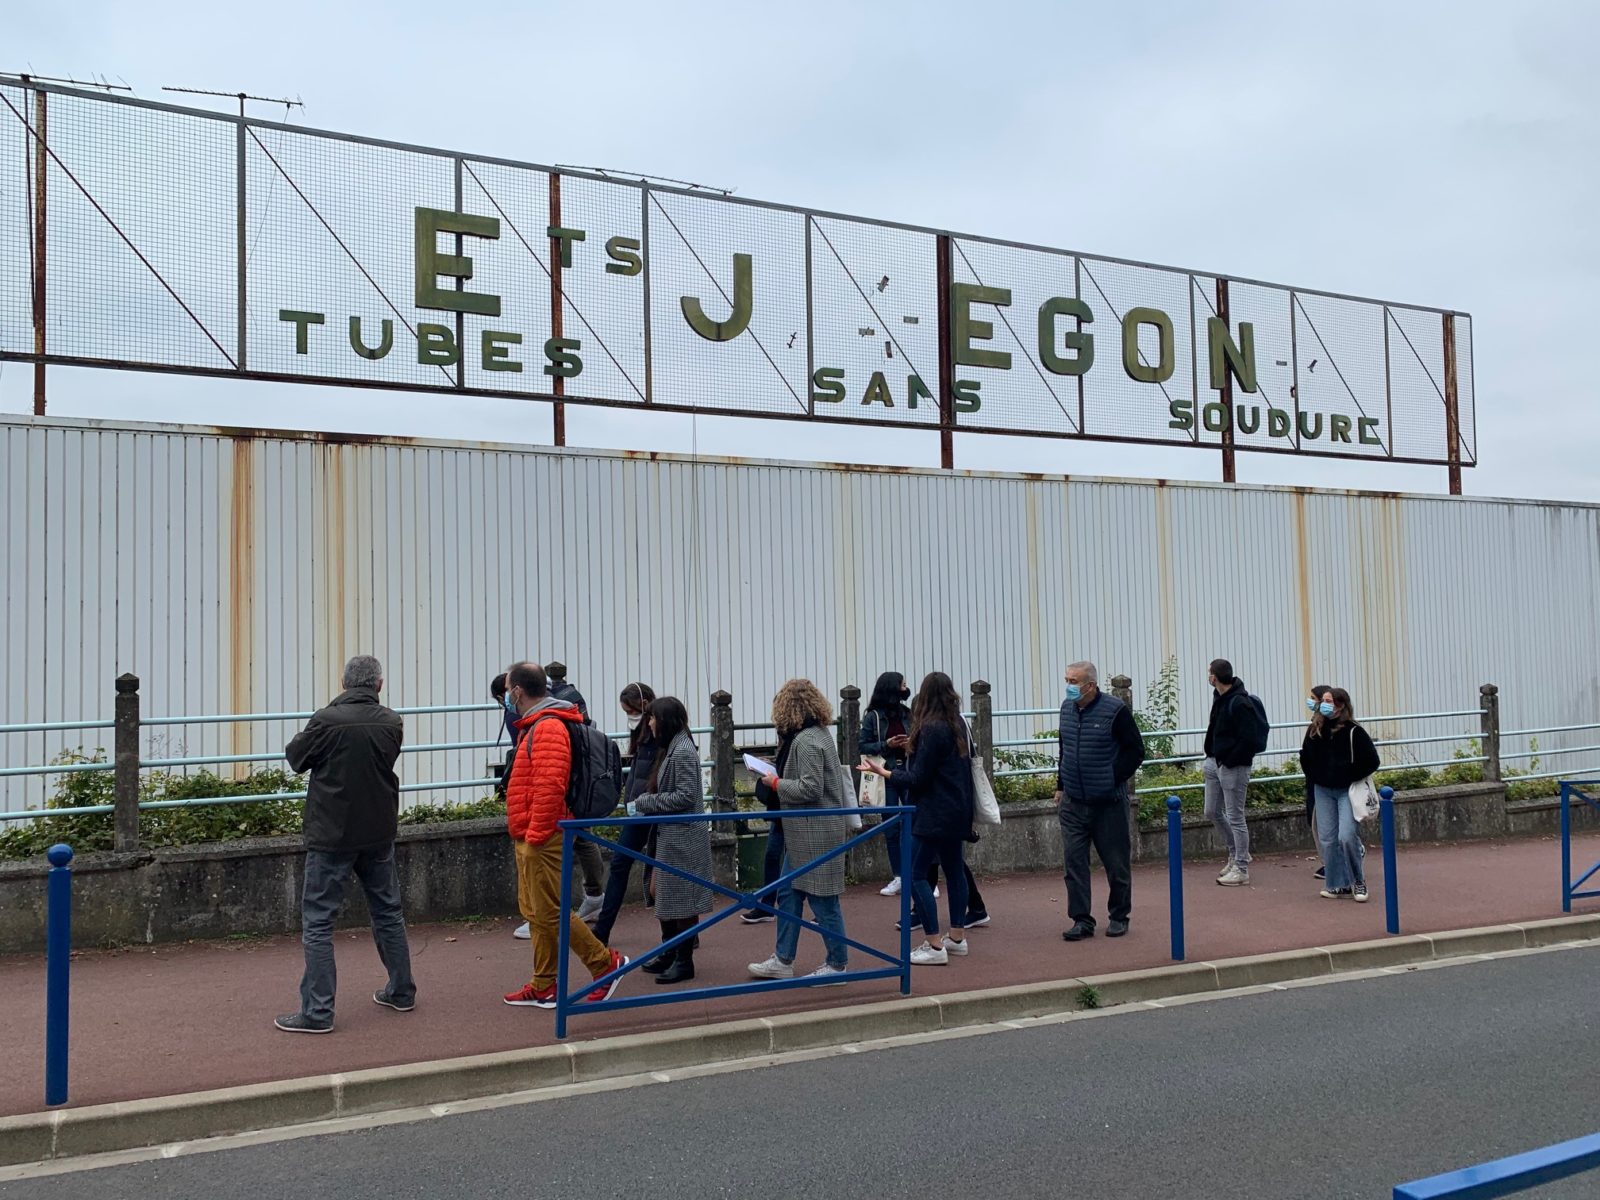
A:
1338,758
350,748
1233,721
938,779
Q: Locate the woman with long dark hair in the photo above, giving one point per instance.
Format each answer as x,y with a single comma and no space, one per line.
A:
1337,752
640,757
675,786
938,777
885,728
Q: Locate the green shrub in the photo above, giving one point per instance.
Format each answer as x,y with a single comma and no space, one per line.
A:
460,810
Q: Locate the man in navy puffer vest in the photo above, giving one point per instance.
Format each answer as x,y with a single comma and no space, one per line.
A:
1100,749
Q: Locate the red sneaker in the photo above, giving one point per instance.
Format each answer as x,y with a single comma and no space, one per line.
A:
618,961
532,997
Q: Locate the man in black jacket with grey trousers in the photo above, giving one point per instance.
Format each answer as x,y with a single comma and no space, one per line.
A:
352,809
1100,749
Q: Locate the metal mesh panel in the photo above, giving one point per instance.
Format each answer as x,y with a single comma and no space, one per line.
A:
330,230
1116,405
875,316
16,238
1341,376
1416,382
165,185
515,267
1027,395
1266,311
1466,394
604,310
693,242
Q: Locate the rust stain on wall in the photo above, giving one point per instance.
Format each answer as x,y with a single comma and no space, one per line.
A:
241,589
1165,569
335,565
1302,566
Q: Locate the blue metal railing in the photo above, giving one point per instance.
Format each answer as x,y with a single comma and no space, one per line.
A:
897,822
1508,1176
1569,886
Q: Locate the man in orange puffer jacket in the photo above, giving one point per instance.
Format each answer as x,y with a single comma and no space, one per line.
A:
536,798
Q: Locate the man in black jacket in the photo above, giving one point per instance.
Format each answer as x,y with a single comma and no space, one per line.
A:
352,808
1100,749
1232,736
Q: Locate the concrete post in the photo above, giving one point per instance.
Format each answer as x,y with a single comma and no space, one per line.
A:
1489,701
125,765
983,725
1122,689
556,673
722,752
850,728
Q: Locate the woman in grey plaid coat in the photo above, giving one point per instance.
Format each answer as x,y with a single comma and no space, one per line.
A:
809,776
676,787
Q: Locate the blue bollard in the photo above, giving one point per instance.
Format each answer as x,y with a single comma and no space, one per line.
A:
1566,847
1391,885
1175,872
58,963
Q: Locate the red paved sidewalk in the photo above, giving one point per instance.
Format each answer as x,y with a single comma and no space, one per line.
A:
168,1019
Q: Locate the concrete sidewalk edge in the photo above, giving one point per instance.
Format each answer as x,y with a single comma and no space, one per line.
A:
133,1124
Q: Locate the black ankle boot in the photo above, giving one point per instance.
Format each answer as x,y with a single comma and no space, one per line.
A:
659,963
682,968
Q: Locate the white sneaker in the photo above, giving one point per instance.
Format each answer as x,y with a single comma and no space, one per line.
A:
522,931
590,908
1234,876
772,968
824,972
1226,871
892,888
959,949
936,891
928,955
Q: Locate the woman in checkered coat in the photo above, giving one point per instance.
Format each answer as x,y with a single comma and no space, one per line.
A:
676,786
809,776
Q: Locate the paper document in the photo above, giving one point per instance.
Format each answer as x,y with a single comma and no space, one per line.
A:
759,767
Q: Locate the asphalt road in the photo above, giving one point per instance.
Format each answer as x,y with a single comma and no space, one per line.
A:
1320,1092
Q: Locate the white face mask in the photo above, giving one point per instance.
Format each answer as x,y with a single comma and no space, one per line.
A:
633,721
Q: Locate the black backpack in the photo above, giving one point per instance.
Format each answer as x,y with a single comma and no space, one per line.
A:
1257,730
594,788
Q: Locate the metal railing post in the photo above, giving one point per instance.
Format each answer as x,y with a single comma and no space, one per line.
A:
850,728
125,761
1489,699
1175,872
983,725
58,977
1391,885
1566,846
563,933
722,798
906,853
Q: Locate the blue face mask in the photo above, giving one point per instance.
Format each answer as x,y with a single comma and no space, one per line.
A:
509,706
1325,709
1074,692
1311,705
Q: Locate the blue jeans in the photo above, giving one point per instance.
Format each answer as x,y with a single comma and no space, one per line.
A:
1338,838
948,852
320,901
634,837
826,912
893,795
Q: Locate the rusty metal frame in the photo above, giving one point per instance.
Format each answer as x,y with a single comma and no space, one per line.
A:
247,127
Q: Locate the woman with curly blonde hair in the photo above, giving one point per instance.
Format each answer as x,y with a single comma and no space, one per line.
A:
808,776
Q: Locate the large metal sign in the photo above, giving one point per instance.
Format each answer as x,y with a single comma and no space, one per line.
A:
147,236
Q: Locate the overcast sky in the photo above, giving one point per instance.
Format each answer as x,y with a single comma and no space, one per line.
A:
1438,153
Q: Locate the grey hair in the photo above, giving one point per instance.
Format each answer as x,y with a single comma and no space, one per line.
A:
1088,671
362,671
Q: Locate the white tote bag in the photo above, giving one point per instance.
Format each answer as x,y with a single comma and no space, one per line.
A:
985,808
1363,792
852,822
872,790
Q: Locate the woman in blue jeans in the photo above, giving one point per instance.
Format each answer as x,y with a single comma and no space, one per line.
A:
885,726
636,700
1336,753
938,777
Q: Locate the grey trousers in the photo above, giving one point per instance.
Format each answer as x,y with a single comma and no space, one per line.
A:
1225,795
320,901
591,865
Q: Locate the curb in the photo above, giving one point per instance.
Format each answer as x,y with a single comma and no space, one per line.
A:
134,1124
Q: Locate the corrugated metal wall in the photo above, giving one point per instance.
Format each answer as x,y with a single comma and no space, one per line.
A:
235,572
